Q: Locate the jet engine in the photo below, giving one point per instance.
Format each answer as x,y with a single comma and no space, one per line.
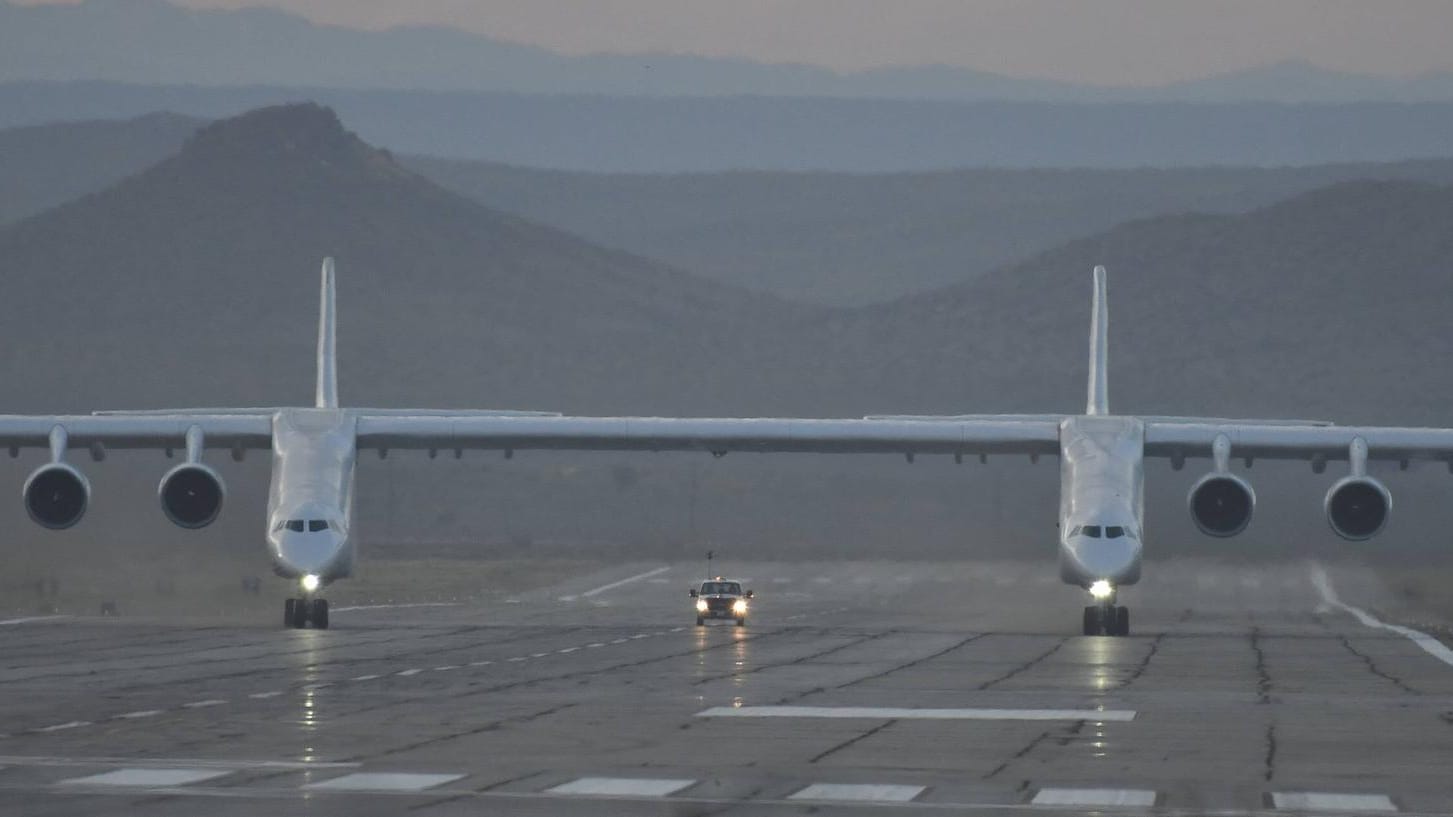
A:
56,496
1221,504
191,495
1358,507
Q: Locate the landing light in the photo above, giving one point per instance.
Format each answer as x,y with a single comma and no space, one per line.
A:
310,583
1102,590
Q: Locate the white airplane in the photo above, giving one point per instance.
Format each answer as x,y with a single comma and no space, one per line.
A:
1101,519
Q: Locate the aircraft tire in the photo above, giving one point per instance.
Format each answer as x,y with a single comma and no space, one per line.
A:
1092,620
319,614
741,622
700,622
1122,621
288,608
300,613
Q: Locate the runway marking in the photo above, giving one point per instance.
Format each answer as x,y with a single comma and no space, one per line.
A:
539,655
622,786
859,792
396,606
204,704
480,663
1430,645
142,713
147,778
1327,801
189,762
59,727
1094,797
517,659
261,695
613,585
30,620
383,781
365,677
406,673
315,687
596,644
892,713
446,668
567,650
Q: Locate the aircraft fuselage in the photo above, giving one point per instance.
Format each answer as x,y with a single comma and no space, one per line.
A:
310,502
1102,499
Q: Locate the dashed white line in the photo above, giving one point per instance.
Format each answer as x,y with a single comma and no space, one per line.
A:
622,786
866,792
396,606
446,668
406,673
314,687
63,726
1430,645
204,704
365,677
30,620
140,713
595,644
270,694
517,659
1094,797
384,781
147,778
567,650
1328,801
480,663
539,655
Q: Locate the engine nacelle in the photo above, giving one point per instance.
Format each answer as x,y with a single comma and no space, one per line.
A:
56,496
191,495
1221,504
1358,507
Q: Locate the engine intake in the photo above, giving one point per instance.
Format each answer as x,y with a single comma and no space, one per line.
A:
191,495
1221,504
1358,507
56,496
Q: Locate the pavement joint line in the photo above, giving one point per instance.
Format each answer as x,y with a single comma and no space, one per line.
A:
1429,644
613,585
906,713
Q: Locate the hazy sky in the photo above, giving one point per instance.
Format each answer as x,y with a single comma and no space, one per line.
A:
1101,41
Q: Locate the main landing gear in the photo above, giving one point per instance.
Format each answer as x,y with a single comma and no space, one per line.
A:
299,613
1104,617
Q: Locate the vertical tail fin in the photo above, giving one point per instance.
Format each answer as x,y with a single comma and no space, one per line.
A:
1099,397
327,396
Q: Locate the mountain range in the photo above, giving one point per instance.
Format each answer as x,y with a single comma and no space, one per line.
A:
156,42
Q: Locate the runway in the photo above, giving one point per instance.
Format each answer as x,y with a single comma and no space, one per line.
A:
856,688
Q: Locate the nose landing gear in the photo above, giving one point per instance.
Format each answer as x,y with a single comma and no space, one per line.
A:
1104,617
299,613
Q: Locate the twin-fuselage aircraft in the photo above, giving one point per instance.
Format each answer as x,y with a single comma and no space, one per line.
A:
1101,518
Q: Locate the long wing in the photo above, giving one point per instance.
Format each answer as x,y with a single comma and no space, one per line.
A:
1314,443
101,432
717,435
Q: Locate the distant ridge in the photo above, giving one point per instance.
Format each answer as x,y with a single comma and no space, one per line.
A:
136,41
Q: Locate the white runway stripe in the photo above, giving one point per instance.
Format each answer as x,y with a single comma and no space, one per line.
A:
1430,645
613,585
865,792
384,781
897,713
143,713
622,786
29,620
1328,801
395,606
148,778
1094,797
60,727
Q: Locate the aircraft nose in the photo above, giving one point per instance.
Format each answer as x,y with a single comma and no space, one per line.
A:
1111,559
309,552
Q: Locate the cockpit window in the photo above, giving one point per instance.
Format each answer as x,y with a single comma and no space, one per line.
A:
1114,532
1092,531
295,525
316,525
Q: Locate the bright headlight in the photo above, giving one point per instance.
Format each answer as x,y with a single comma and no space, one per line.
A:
701,605
310,583
739,606
1102,590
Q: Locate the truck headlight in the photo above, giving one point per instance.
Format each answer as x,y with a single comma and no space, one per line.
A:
739,606
701,605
